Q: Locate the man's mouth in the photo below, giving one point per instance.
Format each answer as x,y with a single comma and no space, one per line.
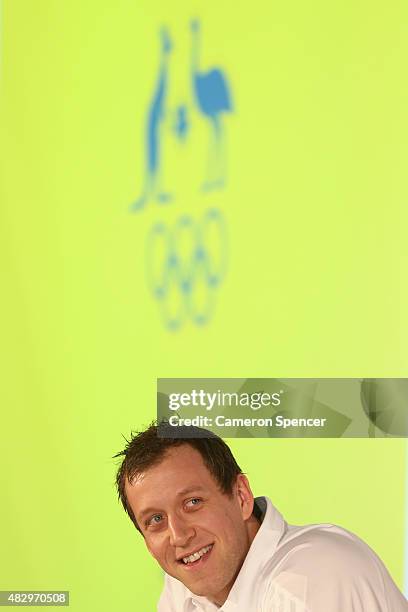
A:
197,557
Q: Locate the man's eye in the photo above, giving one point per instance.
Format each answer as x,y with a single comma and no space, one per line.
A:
156,519
192,503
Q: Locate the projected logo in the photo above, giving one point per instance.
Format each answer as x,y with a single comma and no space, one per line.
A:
186,259
186,263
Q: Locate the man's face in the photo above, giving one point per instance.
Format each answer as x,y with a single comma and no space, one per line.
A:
197,534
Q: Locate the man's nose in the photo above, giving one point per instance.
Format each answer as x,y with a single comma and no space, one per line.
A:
180,531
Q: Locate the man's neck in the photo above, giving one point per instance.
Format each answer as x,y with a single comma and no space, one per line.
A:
253,528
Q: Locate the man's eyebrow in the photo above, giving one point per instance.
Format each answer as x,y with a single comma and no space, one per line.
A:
186,491
191,489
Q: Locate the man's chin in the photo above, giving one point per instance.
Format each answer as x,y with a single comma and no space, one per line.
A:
218,597
198,586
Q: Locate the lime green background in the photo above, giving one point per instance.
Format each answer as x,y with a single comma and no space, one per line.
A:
316,213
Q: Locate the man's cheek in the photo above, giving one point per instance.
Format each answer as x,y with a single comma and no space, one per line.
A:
156,552
151,548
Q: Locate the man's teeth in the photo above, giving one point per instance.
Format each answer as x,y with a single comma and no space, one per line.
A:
197,555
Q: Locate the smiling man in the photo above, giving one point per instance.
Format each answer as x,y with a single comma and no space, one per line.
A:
222,550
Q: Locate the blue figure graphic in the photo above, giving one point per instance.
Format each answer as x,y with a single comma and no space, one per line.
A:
212,98
153,131
181,124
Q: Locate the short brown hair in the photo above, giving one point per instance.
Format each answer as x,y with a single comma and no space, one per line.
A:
146,449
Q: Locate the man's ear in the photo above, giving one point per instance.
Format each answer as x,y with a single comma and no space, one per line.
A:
245,496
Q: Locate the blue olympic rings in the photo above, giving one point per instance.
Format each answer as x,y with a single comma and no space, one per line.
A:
185,264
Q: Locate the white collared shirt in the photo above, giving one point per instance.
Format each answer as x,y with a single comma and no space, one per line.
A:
314,568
